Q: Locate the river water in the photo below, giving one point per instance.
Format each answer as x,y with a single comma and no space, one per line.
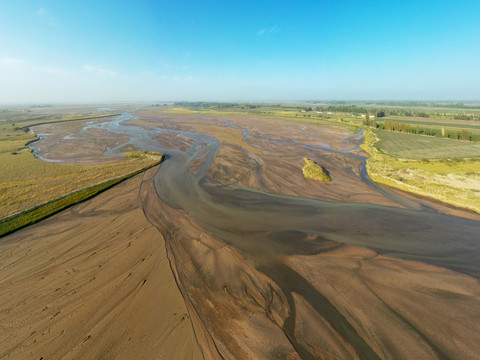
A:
425,235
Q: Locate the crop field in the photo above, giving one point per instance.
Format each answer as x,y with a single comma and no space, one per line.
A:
411,146
471,125
452,180
417,106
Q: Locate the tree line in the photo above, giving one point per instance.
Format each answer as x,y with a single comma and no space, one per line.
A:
390,125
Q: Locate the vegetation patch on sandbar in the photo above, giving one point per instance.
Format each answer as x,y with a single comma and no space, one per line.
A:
144,155
314,171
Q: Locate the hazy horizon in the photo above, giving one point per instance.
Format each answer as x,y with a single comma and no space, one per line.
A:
378,102
86,52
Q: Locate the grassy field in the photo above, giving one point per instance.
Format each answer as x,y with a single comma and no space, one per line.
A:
28,184
26,181
411,146
39,212
451,180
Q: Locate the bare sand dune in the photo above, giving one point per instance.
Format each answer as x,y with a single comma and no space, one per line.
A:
92,282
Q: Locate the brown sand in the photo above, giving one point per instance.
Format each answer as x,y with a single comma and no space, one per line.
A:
93,282
402,309
345,302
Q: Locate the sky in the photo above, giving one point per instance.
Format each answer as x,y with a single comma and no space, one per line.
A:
238,50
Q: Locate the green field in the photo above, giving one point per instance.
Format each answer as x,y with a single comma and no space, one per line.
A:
450,179
411,146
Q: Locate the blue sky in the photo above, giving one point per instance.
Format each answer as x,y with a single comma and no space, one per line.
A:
82,51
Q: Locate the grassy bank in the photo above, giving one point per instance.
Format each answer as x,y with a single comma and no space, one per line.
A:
37,213
26,182
411,146
451,180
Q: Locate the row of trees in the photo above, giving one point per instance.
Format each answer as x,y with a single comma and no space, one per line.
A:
390,125
395,112
467,117
373,111
346,109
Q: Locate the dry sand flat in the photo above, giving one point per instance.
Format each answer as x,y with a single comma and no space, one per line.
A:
69,142
92,282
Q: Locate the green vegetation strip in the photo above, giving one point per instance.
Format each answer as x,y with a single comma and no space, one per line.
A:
314,171
144,155
31,216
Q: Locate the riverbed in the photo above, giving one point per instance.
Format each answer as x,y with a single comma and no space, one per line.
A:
271,265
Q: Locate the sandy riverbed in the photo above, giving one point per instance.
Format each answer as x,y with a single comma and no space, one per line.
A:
229,240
